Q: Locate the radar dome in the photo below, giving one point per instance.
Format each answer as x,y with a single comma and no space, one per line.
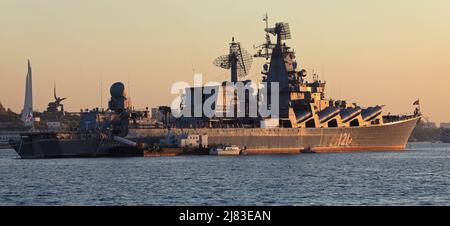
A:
117,90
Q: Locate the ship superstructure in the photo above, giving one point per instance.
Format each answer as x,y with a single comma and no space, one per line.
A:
302,103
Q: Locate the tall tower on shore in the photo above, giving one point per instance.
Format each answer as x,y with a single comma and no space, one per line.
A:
27,112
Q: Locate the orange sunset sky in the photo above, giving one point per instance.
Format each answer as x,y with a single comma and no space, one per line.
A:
372,52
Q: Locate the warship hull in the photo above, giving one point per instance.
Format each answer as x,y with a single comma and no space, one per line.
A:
385,137
73,148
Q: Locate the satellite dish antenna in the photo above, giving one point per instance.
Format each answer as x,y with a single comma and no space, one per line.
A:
239,61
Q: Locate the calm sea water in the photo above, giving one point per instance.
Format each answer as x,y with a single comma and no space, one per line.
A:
419,176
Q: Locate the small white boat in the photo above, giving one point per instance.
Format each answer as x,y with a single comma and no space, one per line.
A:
225,150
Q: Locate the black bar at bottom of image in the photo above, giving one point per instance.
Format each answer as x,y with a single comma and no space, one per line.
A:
228,215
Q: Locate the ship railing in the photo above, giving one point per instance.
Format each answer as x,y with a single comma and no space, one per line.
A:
395,118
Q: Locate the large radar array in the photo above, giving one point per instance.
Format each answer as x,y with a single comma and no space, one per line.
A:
281,31
238,60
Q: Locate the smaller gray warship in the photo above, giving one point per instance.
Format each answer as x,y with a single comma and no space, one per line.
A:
100,134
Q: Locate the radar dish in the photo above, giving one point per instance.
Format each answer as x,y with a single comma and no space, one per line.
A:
239,57
244,59
283,31
223,62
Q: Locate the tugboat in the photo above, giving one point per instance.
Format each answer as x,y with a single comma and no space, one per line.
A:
225,150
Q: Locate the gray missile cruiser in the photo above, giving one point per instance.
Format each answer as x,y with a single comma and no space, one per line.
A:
307,121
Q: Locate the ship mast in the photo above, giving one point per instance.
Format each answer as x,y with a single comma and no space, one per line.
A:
266,19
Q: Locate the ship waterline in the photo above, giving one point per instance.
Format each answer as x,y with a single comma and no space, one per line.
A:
387,137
